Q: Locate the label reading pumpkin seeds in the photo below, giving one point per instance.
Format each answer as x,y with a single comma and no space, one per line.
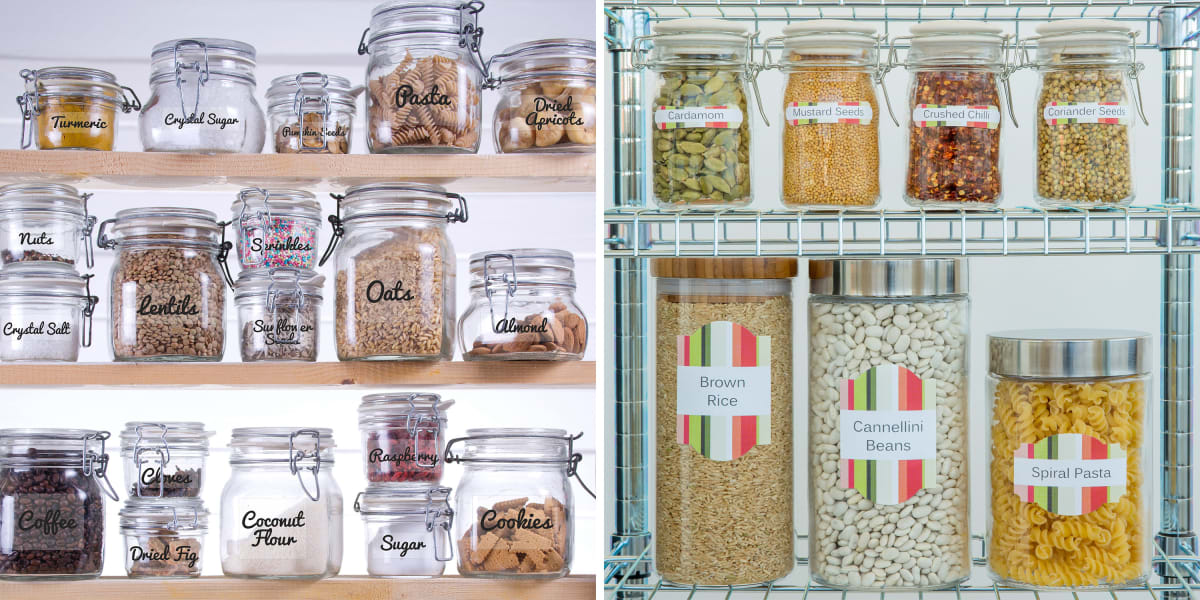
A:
711,117
1069,473
723,398
810,113
1063,113
957,115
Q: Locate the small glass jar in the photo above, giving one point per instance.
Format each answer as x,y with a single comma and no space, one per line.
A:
281,510
547,97
164,539
52,488
311,113
954,114
395,271
424,77
523,307
164,460
168,300
276,228
279,313
514,501
1069,484
408,529
403,435
72,108
202,98
46,312
45,222
887,428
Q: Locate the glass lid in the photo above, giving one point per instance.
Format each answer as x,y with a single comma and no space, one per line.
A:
385,409
293,90
281,280
402,199
186,435
388,499
400,17
522,266
43,278
55,197
161,223
174,514
562,57
252,202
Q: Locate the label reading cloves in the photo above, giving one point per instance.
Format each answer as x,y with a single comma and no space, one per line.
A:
389,544
43,328
406,96
170,306
43,238
547,111
151,475
203,118
378,292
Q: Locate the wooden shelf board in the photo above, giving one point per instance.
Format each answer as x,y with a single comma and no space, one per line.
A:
460,173
576,373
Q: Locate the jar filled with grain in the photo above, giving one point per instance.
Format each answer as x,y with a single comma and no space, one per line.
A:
72,108
830,114
1085,112
311,113
724,433
395,271
887,424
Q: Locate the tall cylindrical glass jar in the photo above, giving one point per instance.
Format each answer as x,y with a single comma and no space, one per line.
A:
547,97
45,222
724,414
311,113
72,108
1069,487
887,428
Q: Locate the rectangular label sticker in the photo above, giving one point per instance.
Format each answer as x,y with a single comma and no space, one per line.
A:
957,115
1069,474
1063,113
710,117
810,113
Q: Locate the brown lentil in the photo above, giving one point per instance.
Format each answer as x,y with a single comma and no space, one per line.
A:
949,164
176,299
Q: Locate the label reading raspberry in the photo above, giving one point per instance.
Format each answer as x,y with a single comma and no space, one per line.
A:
810,113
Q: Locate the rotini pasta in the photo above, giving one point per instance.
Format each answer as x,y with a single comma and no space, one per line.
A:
431,101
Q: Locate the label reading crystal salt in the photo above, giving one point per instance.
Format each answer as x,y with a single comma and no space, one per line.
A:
723,397
1062,113
1069,473
711,117
956,115
273,528
810,113
888,434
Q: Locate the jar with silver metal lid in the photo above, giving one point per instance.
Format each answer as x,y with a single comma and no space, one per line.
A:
279,313
281,510
164,459
311,113
202,98
408,529
164,539
46,312
72,108
523,307
45,222
276,228
1069,482
887,429
403,435
547,96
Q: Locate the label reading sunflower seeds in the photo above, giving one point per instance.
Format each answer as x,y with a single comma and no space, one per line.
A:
1069,473
938,115
1063,113
811,113
710,117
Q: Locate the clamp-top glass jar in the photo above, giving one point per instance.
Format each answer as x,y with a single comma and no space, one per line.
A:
424,76
281,510
52,488
72,108
311,113
523,307
164,539
276,228
46,312
202,98
408,529
547,96
279,313
45,222
403,435
164,460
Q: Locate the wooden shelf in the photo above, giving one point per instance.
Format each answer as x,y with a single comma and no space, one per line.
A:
576,373
573,587
460,173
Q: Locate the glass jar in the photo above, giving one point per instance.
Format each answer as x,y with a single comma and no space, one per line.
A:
279,313
164,460
164,539
424,76
46,312
311,113
1084,119
1069,463
45,222
547,97
701,140
72,108
202,98
523,307
830,114
52,488
408,529
887,429
395,273
718,454
281,510
515,507
954,119
168,301
403,435
276,228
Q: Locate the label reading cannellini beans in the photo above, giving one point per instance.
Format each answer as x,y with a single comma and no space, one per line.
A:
1063,113
1070,473
723,398
957,115
812,113
711,117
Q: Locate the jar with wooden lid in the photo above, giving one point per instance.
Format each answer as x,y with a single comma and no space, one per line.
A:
72,108
724,413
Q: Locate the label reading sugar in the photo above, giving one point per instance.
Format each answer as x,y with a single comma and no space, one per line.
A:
1070,473
888,434
956,115
273,528
711,117
1062,113
723,397
810,113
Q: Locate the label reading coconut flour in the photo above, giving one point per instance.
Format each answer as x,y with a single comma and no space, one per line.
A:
957,115
270,528
810,113
1069,473
888,431
723,398
1063,113
711,117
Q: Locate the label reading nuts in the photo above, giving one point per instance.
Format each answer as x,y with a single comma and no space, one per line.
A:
203,118
708,117
812,113
1069,473
170,306
407,96
547,111
938,115
43,328
377,292
1063,113
43,238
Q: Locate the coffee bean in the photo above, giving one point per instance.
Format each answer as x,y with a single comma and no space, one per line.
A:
58,526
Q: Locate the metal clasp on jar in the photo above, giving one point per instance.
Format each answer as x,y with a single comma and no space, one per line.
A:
201,73
30,104
507,280
261,217
284,290
470,35
571,461
95,464
296,457
311,87
163,450
85,336
459,215
440,516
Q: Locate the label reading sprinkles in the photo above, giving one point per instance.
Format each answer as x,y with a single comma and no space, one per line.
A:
810,113
710,117
1069,474
1063,113
957,115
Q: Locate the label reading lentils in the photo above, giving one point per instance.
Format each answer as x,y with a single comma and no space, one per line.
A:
1069,473
957,115
1063,113
811,113
710,117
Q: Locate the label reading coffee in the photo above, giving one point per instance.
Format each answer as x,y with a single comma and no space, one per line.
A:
171,306
389,544
406,96
957,115
43,328
405,457
181,554
203,118
552,112
490,520
1063,113
27,238
711,117
77,120
46,521
378,292
1070,473
812,113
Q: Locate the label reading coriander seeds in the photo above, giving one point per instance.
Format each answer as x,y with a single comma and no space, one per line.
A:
1069,473
957,115
810,113
711,117
1063,113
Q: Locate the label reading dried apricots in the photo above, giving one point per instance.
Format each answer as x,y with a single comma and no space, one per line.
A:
811,113
711,117
938,115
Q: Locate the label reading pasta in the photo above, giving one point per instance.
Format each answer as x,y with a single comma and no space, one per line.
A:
938,115
1062,113
711,117
1070,473
723,397
811,113
888,434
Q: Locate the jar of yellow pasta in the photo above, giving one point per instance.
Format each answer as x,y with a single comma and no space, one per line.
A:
1067,464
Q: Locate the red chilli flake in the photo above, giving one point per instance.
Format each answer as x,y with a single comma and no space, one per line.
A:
954,164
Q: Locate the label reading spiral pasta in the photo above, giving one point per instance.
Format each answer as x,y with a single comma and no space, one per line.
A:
1069,473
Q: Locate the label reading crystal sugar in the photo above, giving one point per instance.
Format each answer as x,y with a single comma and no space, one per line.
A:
1063,113
1070,473
810,113
957,115
711,117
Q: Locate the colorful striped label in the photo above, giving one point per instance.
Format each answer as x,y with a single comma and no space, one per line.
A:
711,117
888,435
956,115
723,391
1063,113
811,113
1070,473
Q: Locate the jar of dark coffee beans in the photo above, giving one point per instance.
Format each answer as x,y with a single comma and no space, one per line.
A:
52,488
164,459
403,434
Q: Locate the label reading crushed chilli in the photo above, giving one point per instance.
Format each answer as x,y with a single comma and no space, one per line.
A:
937,115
